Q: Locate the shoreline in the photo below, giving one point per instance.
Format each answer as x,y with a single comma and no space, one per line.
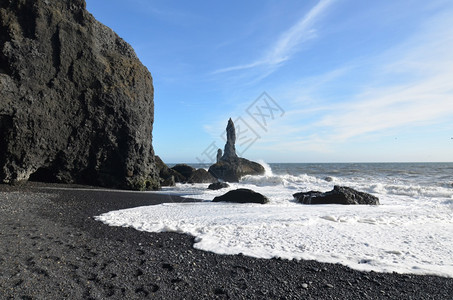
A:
53,248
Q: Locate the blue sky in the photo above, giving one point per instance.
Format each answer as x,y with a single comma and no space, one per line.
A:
344,81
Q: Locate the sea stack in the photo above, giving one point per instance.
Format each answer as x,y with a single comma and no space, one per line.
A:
76,103
230,167
230,149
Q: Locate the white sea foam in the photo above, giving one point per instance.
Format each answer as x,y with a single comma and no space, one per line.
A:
410,232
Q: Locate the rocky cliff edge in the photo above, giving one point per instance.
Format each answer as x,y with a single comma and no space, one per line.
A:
76,103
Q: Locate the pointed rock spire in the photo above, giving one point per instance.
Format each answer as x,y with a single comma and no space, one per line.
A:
230,149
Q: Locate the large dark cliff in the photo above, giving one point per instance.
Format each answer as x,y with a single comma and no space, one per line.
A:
76,104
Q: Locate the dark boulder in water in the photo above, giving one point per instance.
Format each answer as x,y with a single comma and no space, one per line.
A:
328,179
306,197
218,185
242,196
339,195
230,167
76,103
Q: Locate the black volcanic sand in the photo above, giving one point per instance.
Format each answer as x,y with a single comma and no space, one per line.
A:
52,248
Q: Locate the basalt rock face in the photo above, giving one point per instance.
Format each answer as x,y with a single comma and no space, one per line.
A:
76,103
168,177
230,167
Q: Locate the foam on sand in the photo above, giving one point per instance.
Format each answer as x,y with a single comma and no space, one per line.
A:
397,237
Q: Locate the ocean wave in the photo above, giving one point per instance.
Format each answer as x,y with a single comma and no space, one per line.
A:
282,180
411,190
279,185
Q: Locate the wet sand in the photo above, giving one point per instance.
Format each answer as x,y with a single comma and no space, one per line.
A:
52,248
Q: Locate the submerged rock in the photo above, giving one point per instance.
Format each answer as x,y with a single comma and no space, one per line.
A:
328,179
76,103
230,167
218,185
242,196
339,195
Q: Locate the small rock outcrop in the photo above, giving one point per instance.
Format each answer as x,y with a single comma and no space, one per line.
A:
230,167
168,177
201,176
339,195
218,185
242,196
184,173
219,155
76,103
185,170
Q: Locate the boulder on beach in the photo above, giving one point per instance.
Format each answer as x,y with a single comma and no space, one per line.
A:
76,103
218,185
242,196
230,167
339,195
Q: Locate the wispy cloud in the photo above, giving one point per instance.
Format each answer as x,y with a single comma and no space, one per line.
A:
425,96
410,86
288,42
415,104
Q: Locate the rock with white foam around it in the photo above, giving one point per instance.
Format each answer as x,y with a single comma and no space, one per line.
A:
218,185
339,195
242,196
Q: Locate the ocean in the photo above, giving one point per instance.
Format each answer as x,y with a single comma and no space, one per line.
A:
411,231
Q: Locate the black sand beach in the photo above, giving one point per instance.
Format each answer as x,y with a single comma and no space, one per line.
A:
52,248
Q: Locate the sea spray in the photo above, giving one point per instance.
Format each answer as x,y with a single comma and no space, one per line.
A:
267,168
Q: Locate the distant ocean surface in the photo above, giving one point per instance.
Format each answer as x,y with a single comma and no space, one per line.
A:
410,232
